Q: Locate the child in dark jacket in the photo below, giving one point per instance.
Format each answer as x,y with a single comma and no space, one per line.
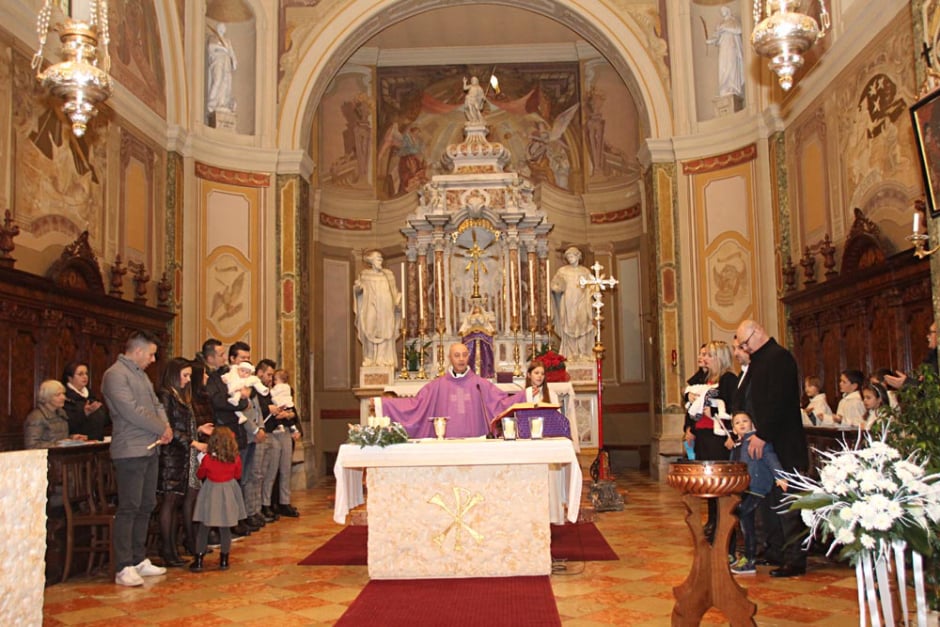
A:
763,473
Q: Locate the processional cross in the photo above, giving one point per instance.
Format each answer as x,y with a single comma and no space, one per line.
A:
603,492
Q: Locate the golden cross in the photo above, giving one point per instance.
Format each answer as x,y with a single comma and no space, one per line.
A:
463,503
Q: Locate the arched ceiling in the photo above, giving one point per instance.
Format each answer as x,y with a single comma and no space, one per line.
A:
409,23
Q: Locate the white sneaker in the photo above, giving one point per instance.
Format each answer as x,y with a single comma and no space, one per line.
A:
128,577
146,569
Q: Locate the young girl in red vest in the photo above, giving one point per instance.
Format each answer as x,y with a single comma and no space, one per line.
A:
220,502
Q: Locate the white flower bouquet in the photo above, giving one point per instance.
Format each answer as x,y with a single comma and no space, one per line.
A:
874,504
379,432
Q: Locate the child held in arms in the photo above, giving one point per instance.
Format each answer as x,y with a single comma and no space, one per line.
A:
239,377
763,473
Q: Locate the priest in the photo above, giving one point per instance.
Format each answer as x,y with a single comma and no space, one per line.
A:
466,399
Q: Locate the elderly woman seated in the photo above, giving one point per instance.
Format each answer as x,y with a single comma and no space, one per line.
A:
48,423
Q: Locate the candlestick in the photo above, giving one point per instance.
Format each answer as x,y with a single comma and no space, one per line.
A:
531,287
519,297
512,292
440,288
548,287
404,291
916,221
420,296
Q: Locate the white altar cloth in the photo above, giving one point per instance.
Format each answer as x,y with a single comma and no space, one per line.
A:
565,479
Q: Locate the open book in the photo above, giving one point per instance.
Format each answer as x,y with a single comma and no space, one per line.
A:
536,405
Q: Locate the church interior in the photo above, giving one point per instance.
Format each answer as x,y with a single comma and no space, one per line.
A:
253,156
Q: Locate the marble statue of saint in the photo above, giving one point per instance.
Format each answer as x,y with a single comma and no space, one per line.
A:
574,318
221,63
727,38
378,312
473,101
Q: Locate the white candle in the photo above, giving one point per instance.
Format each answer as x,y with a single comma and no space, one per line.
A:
512,292
548,287
404,290
440,288
420,293
916,221
531,287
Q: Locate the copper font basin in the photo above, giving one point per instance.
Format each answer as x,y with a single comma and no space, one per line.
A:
708,478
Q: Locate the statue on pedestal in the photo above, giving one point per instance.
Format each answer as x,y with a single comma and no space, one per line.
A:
574,320
377,306
727,39
221,64
473,101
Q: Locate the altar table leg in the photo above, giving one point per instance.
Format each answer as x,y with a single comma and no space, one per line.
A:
710,582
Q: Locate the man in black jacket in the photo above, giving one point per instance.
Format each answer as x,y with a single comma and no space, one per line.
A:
772,398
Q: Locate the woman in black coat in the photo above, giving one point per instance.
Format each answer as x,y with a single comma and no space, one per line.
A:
176,467
87,414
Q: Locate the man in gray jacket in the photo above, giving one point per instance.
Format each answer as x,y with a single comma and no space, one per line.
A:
139,424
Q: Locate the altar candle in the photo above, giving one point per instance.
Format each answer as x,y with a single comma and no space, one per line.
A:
512,292
531,289
548,287
440,288
404,290
420,293
916,221
80,10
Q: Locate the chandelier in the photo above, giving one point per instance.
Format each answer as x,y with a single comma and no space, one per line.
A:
785,34
77,79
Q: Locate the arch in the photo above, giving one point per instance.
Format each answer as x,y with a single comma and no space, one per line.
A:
616,35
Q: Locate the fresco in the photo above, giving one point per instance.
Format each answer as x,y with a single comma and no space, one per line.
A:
535,112
136,57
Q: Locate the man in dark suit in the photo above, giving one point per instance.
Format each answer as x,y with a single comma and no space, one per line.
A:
772,398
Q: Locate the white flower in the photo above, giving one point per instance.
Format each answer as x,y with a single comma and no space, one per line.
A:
845,536
808,516
867,541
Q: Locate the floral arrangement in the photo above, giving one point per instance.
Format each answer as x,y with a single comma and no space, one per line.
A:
554,364
873,503
379,432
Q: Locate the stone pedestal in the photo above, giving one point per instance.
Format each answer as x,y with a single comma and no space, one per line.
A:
223,120
464,521
726,105
376,377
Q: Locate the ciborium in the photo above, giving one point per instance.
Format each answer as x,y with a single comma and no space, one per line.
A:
710,583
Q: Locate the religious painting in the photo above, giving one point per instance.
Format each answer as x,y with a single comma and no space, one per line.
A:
136,56
346,137
925,117
611,127
532,109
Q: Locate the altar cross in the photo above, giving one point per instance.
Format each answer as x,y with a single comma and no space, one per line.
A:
474,253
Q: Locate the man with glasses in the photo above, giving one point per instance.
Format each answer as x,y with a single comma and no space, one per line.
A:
772,398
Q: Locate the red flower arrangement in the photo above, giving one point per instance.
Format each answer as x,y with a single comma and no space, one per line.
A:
554,363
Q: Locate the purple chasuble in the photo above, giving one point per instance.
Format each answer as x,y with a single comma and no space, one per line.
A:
469,403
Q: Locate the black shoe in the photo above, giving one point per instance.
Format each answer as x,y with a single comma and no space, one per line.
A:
250,524
268,514
257,520
223,561
288,510
171,560
196,566
241,529
767,561
788,570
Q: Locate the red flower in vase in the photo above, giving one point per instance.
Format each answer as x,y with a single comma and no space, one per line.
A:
554,366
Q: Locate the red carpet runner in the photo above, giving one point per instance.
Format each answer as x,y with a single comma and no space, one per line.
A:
494,602
580,542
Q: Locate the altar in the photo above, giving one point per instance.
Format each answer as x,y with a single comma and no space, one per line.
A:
460,508
478,270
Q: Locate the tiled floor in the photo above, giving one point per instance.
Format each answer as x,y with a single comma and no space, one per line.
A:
266,587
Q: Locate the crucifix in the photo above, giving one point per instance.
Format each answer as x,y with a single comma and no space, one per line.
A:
474,253
603,492
925,51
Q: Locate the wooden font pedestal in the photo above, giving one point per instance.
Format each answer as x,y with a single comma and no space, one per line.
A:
710,583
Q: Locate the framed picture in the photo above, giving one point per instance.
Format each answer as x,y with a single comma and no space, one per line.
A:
925,117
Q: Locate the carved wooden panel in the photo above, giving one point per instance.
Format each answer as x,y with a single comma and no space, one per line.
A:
43,326
872,317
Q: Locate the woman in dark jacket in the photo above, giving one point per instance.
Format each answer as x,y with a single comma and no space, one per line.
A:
87,414
175,458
